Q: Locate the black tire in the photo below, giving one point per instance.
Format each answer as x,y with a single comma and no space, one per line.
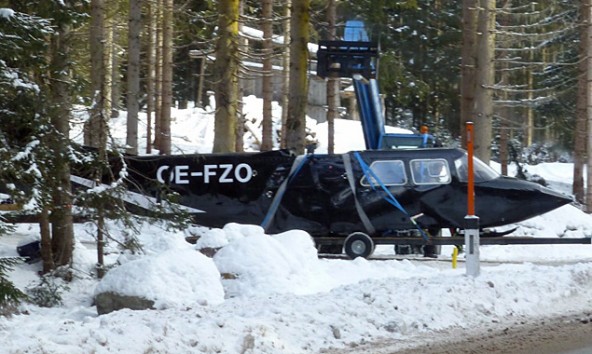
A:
432,251
403,249
358,244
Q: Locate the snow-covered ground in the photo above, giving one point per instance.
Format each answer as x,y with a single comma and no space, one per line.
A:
272,294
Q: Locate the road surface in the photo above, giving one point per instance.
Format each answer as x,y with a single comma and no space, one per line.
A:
547,336
568,334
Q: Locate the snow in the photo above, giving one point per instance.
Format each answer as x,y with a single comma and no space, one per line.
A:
176,277
6,13
13,76
272,294
193,130
253,33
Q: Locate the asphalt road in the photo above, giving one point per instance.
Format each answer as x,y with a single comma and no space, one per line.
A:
568,334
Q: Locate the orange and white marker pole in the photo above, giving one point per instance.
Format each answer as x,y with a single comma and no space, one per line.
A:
472,262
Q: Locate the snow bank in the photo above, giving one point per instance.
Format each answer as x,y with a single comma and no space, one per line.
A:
174,278
258,264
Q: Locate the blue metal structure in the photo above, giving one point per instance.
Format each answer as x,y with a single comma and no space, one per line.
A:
370,108
370,111
355,31
356,56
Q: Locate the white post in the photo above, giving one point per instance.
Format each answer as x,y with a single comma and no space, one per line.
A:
471,221
472,263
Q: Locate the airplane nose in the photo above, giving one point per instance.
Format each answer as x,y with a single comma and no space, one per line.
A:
499,201
509,200
553,199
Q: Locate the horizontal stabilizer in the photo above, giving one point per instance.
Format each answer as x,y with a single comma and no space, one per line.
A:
137,199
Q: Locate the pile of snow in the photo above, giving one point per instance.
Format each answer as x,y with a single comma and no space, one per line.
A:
282,297
263,264
174,278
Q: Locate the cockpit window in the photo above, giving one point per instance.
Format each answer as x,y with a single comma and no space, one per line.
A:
430,171
389,173
482,172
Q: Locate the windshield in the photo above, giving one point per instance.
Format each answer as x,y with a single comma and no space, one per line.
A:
481,170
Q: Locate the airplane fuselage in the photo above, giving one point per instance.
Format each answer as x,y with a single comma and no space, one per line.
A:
342,193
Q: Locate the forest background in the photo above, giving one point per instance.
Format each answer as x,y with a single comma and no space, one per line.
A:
520,70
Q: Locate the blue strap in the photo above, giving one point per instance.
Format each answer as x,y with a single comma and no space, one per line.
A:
352,185
425,140
281,190
371,176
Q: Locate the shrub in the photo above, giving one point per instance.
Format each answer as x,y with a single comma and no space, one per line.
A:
48,293
10,295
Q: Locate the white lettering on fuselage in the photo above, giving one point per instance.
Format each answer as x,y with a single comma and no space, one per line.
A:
223,173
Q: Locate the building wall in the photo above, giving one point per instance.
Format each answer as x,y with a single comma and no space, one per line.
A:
317,92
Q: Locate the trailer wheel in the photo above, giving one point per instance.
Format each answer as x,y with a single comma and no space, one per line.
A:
358,244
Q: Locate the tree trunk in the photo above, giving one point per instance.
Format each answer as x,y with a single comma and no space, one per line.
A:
100,113
101,244
529,117
468,65
167,78
226,69
267,126
286,71
151,55
158,74
505,110
296,120
588,11
580,142
97,72
107,87
529,123
243,45
200,83
485,80
115,75
133,75
61,213
46,249
333,80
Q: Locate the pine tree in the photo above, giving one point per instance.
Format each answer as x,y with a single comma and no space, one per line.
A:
37,144
9,294
21,53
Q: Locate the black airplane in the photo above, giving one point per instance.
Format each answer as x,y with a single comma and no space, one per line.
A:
395,187
372,194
